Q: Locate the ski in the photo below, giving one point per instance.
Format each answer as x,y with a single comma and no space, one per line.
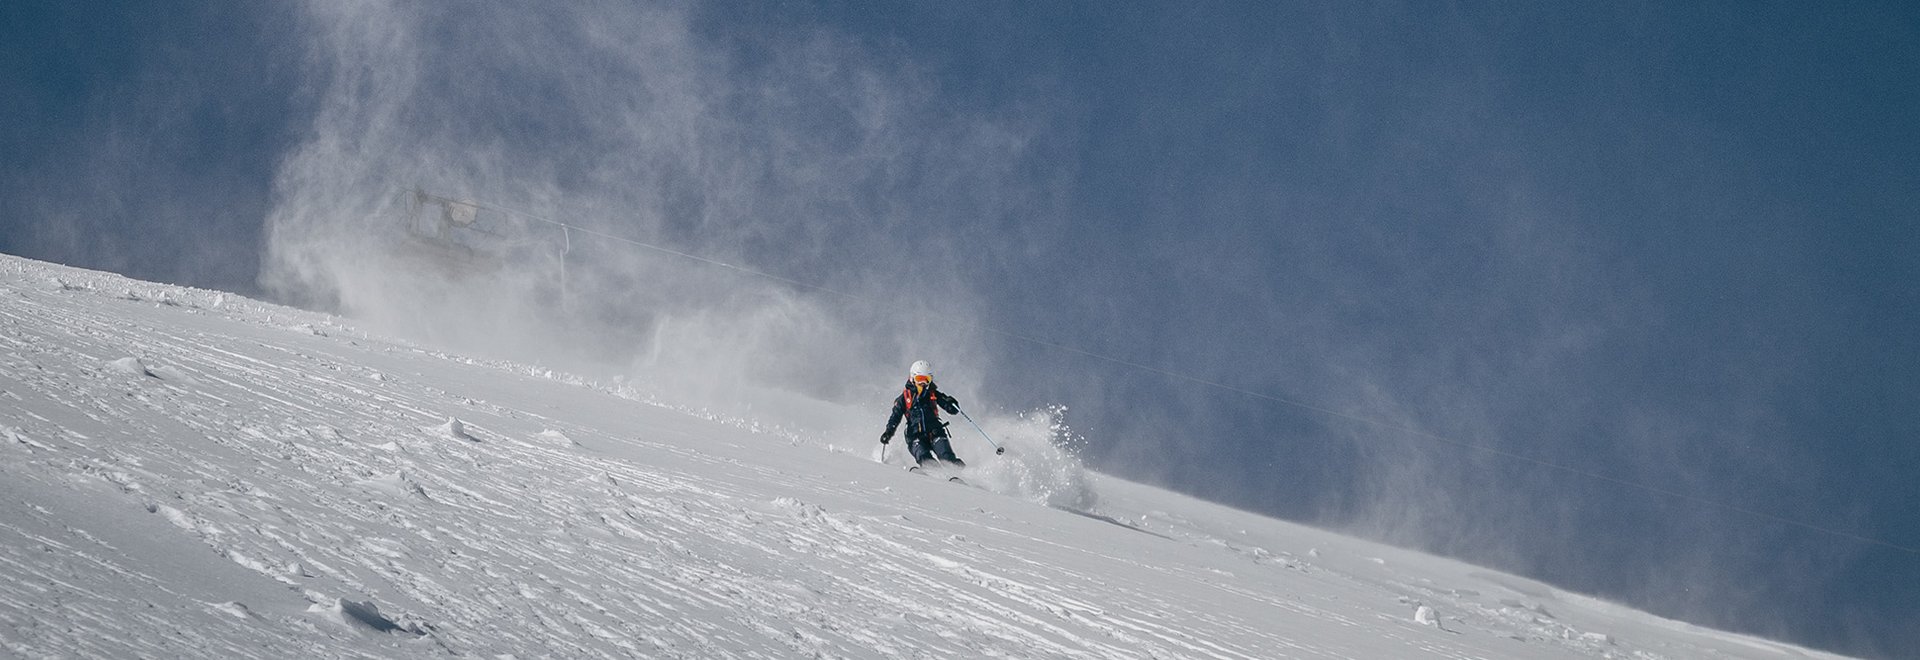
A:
953,478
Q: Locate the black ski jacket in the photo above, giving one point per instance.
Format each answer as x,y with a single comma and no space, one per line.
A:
920,406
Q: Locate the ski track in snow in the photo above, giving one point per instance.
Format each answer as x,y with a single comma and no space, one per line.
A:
193,474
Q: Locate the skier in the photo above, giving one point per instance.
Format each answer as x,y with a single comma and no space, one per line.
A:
920,403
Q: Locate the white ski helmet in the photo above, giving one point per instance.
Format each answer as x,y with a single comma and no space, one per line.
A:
920,368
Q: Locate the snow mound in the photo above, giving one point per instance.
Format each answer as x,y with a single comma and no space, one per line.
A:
454,429
552,438
361,615
131,366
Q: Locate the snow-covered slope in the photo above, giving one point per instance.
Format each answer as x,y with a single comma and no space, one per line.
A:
186,473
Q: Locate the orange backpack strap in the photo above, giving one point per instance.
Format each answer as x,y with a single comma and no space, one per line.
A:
906,393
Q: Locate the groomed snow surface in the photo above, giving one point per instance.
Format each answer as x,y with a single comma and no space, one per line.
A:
186,473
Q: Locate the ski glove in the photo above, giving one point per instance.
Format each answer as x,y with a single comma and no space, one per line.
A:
886,438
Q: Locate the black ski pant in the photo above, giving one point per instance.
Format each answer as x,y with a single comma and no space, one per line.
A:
926,451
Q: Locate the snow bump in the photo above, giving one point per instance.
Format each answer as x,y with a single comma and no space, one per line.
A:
552,438
131,366
454,429
361,615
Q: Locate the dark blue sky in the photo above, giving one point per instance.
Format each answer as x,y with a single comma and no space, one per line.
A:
1667,246
135,132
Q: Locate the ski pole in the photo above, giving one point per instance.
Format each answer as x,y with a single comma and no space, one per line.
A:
997,449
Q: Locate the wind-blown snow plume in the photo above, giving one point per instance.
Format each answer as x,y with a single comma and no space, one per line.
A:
792,151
